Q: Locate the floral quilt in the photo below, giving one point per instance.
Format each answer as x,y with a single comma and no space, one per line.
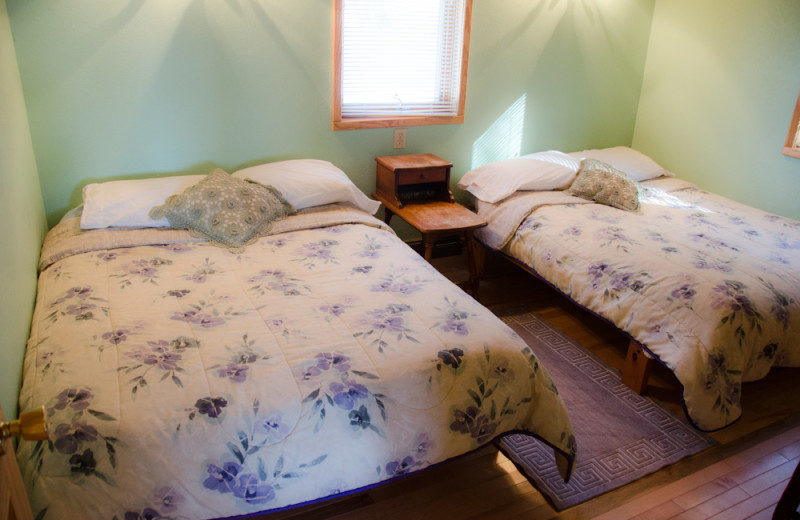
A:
185,381
709,286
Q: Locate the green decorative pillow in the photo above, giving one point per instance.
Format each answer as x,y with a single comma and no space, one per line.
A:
228,211
605,184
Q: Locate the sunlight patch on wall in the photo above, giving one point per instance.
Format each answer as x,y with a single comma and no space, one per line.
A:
503,140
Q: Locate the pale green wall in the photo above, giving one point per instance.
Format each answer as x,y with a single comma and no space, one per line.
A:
22,215
720,84
131,88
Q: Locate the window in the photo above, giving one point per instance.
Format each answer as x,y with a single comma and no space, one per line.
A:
399,62
792,145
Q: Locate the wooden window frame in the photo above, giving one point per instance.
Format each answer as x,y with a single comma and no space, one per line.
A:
355,123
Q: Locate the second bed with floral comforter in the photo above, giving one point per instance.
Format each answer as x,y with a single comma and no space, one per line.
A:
709,286
183,380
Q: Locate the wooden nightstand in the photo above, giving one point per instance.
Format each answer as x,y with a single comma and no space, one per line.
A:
403,179
416,188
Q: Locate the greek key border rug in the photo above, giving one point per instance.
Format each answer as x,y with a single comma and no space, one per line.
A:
621,436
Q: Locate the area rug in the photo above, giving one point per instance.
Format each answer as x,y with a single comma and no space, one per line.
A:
621,436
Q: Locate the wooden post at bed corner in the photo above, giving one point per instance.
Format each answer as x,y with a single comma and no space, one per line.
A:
637,368
479,250
14,503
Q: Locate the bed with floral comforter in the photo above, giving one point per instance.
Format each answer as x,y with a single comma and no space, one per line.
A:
708,286
183,380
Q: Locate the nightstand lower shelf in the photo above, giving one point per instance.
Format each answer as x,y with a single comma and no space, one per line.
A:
436,220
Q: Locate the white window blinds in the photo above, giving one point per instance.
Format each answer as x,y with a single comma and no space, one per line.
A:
401,57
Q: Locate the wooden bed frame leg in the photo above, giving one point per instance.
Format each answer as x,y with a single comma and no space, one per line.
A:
637,368
479,250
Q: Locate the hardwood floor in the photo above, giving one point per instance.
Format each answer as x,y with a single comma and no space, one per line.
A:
742,477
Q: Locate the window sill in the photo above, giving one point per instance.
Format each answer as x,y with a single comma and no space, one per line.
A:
791,152
392,122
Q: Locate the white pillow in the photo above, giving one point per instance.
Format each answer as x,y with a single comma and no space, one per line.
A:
309,182
493,182
127,203
632,163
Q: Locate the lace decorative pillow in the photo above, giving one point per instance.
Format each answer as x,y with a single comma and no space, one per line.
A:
605,184
230,212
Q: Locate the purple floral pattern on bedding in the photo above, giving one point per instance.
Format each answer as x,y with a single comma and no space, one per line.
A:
156,361
77,303
80,444
708,285
199,383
